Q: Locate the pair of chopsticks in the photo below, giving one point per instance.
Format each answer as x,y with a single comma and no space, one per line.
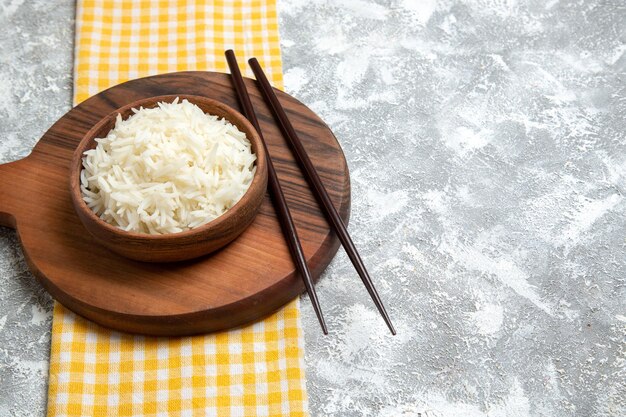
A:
312,177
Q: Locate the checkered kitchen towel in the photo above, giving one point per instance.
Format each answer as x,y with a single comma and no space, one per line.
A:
254,371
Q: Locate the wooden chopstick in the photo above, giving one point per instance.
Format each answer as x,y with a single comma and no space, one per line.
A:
276,191
318,187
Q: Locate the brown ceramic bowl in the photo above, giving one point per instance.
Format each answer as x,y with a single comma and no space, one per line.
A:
176,246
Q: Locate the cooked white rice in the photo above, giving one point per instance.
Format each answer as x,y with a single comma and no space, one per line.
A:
167,169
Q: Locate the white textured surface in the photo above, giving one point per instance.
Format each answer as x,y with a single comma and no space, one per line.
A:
487,151
35,87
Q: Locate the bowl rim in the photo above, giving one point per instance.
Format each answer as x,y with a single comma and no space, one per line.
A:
76,167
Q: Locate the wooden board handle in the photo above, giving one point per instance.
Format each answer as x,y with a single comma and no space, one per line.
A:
10,174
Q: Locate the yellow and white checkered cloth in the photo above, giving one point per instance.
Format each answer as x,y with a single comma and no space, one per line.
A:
253,371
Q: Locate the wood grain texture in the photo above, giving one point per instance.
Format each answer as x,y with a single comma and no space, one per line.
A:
246,280
190,243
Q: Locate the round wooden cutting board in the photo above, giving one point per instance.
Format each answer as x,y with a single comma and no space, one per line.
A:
248,279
